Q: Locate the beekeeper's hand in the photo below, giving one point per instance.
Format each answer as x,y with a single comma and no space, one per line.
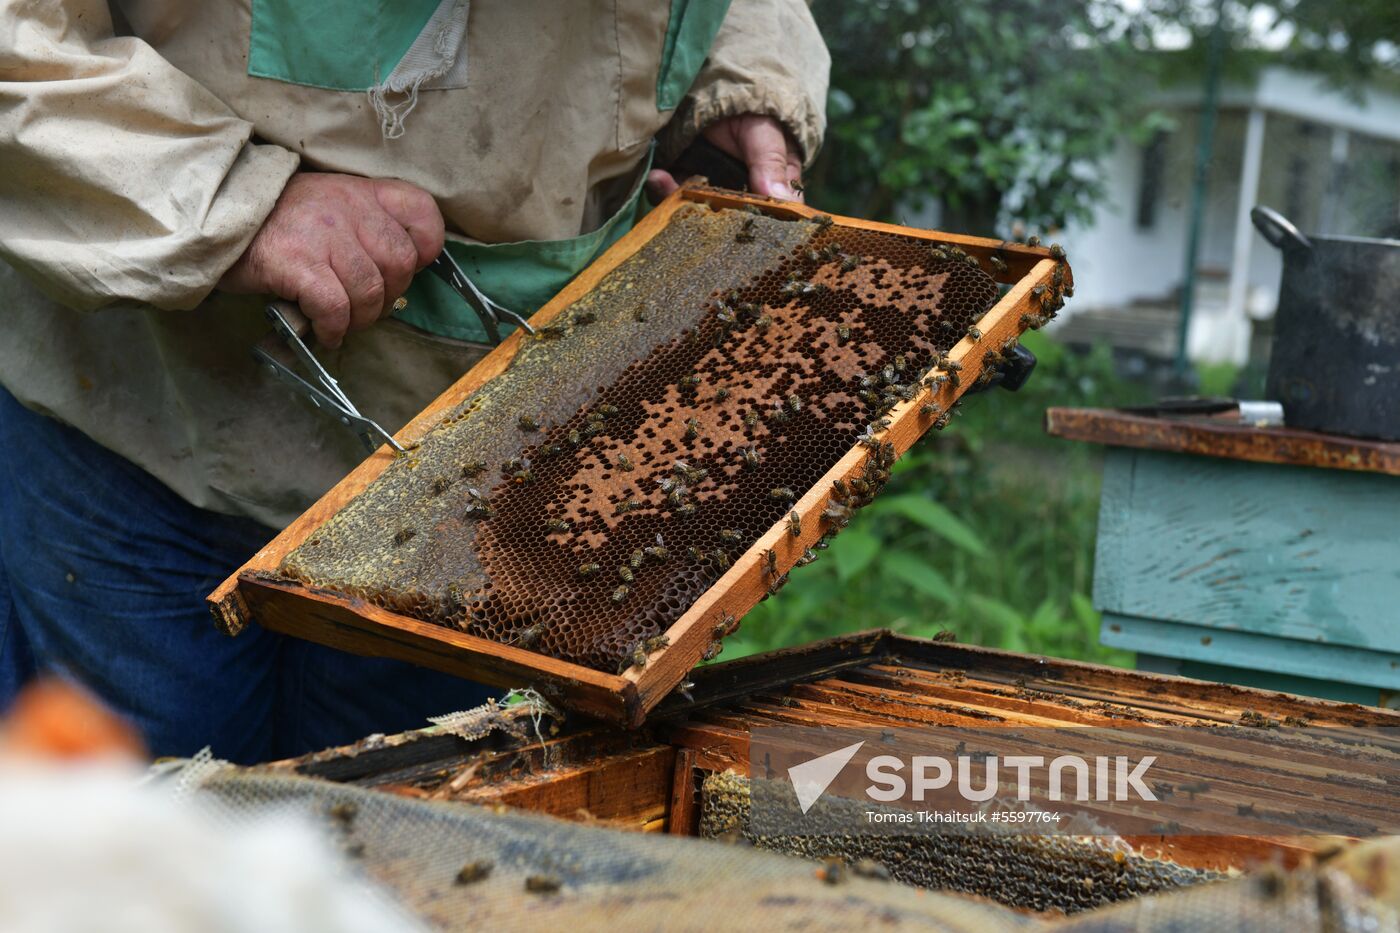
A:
759,142
342,247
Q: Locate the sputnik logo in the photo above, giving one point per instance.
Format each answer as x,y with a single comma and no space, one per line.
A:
811,778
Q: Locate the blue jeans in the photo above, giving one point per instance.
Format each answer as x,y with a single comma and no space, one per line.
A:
103,574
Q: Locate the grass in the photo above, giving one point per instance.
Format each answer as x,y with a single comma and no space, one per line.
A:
986,529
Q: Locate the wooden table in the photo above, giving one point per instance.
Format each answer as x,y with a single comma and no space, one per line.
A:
1262,556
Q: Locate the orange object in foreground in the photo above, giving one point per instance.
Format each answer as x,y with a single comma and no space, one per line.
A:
53,718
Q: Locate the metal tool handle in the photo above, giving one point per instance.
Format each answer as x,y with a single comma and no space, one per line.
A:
1011,373
1278,230
290,330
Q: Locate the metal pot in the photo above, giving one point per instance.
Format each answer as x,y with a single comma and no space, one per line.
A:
1335,364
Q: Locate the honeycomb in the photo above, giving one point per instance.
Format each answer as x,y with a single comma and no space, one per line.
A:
581,501
1034,872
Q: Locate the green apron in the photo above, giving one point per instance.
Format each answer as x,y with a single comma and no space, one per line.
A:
324,45
521,276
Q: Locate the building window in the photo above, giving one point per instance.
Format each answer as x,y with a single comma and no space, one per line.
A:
1154,162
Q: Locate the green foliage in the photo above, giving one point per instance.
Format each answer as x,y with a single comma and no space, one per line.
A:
1005,110
986,529
982,105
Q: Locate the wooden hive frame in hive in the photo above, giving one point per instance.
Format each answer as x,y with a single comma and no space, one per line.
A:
254,593
649,780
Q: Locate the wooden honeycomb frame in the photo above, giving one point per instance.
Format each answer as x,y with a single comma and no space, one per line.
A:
254,594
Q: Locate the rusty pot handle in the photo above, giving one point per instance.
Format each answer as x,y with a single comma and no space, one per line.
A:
1278,230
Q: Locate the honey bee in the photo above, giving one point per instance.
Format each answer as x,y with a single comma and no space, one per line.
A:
843,334
794,404
777,415
721,393
473,468
749,456
720,559
542,884
625,506
796,185
574,438
849,263
550,331
585,317
690,383
808,556
625,464
770,562
343,813
528,636
712,651
822,220
930,410
624,573
473,872
403,536
440,485
659,553
588,570
782,493
656,643
692,429
619,594
555,525
998,265
751,417
727,625
794,524
745,234
684,688
685,509
762,323
526,423
477,506
1032,240
731,535
636,558
776,585
974,333
1057,252
837,514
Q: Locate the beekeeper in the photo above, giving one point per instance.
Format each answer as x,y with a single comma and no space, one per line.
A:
165,166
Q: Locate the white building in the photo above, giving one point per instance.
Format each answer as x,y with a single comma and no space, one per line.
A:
1328,160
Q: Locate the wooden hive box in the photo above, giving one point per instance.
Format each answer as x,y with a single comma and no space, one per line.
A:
806,274
656,779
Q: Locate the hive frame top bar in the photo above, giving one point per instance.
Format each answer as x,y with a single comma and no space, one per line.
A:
255,593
